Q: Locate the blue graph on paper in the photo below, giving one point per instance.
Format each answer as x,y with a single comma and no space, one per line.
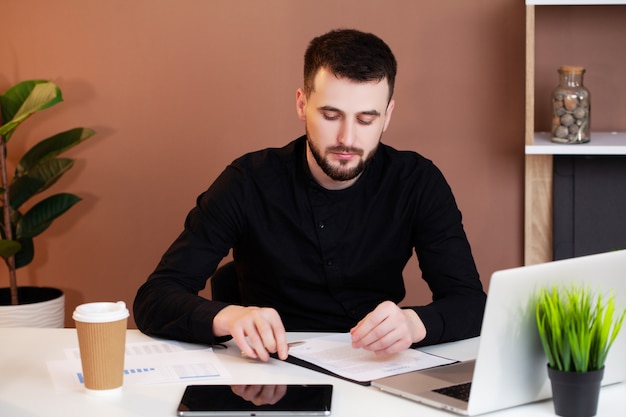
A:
154,362
81,379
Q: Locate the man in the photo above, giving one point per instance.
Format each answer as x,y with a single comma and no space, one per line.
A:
322,228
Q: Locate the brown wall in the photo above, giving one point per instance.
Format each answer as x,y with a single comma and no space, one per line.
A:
177,89
590,36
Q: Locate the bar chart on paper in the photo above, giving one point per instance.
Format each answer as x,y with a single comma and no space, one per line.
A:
145,363
133,371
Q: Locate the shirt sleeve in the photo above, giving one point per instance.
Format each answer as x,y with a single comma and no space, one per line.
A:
447,265
167,304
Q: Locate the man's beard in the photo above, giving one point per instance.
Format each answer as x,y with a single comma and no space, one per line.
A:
339,173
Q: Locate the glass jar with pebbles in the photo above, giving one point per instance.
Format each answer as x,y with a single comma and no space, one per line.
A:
571,107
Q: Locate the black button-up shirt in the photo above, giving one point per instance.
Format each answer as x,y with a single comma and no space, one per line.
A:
322,258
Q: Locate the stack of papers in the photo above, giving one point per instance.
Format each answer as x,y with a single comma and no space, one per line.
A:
167,361
336,355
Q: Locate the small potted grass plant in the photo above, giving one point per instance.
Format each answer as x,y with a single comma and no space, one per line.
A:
576,329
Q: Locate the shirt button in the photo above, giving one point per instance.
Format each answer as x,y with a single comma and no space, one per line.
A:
322,225
330,262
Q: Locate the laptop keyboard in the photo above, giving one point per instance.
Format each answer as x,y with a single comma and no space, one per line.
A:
460,392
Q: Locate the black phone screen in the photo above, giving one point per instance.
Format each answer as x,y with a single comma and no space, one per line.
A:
256,400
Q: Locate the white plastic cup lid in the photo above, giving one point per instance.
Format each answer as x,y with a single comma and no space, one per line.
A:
101,312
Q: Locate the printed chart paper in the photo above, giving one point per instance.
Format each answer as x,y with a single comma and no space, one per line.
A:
145,363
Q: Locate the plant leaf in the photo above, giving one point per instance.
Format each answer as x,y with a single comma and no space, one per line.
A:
23,99
575,328
41,215
51,147
26,254
37,180
9,248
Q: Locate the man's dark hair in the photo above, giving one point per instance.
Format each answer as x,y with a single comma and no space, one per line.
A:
348,53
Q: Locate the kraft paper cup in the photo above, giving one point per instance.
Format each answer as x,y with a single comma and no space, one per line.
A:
101,329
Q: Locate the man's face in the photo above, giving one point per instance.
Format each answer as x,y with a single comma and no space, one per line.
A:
344,122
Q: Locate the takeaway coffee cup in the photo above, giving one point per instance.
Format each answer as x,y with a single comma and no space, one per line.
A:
101,329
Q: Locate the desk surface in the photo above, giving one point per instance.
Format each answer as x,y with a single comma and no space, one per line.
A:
27,390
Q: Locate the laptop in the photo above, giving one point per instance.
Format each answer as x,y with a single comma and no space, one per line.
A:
510,367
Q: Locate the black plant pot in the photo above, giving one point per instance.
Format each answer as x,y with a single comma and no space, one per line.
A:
575,394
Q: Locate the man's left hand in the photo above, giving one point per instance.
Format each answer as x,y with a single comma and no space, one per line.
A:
388,329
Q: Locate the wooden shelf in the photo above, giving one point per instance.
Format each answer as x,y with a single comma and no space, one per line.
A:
601,143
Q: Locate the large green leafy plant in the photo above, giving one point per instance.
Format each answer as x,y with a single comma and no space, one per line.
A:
576,327
39,168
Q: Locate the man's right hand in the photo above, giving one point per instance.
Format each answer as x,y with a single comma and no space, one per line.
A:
257,331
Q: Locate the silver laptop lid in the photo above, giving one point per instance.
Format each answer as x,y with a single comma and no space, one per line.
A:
511,367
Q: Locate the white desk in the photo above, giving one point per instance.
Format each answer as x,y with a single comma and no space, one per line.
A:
27,390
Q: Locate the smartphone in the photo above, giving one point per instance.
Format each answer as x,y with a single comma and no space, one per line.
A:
242,400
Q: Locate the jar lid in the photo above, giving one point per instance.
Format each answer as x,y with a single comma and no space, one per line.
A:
572,68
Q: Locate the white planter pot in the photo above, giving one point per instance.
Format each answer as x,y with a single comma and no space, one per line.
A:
45,313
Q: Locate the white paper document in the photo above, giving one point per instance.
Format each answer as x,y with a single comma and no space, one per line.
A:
145,363
336,354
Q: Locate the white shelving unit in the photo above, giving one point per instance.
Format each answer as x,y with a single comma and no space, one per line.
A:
602,143
538,224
